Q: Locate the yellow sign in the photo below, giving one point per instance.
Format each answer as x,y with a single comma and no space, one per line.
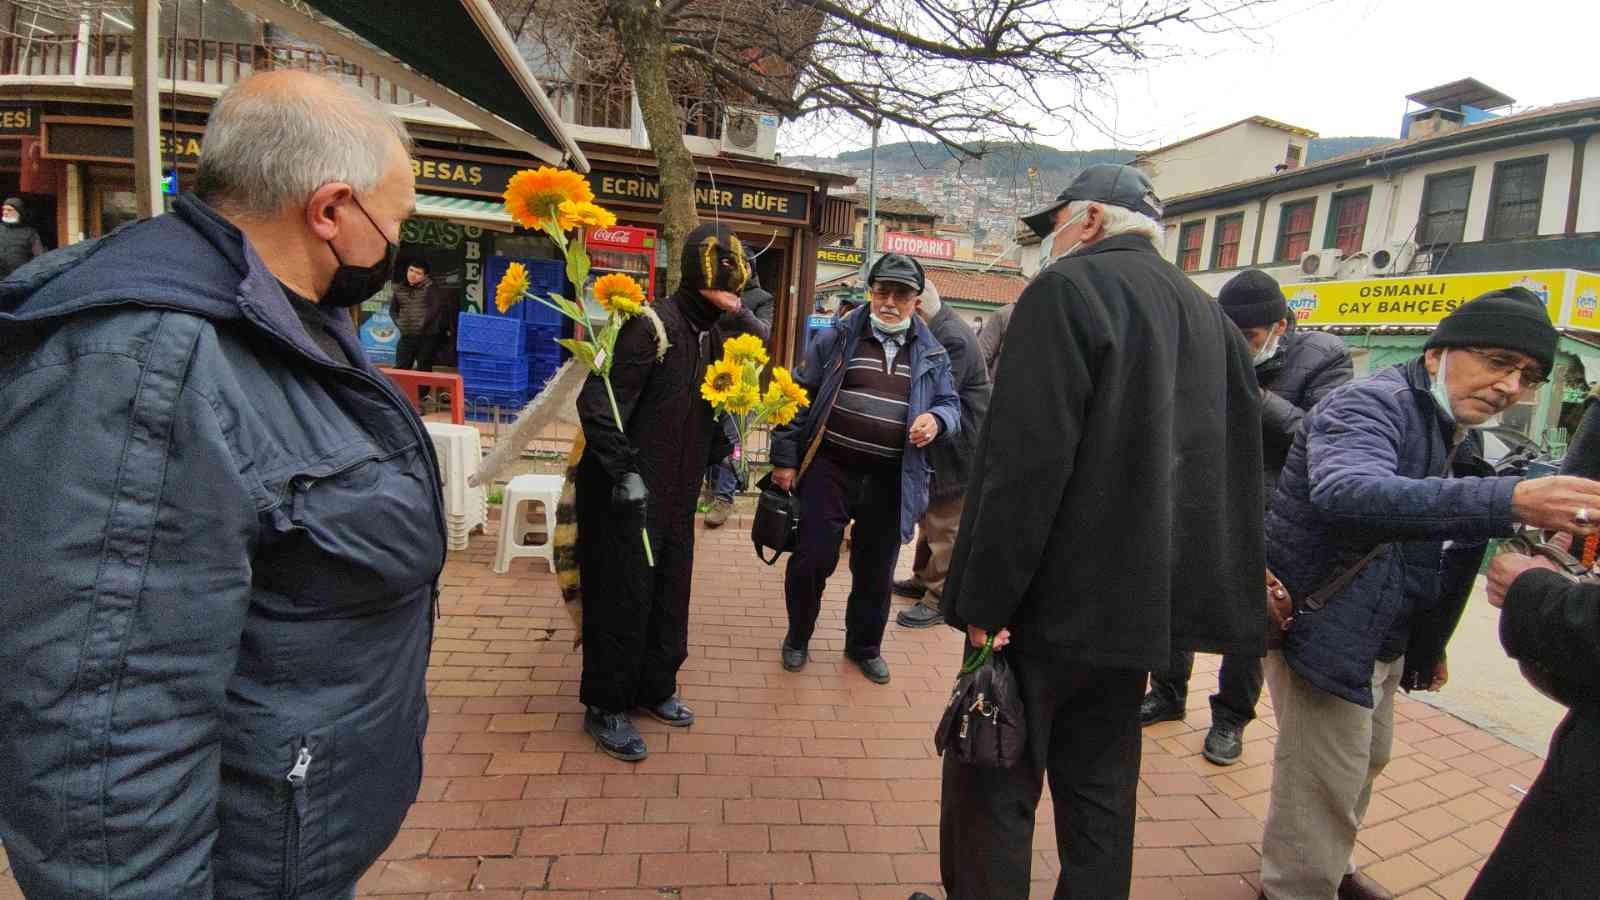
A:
1585,298
1417,301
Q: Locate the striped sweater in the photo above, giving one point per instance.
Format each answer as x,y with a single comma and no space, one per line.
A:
868,423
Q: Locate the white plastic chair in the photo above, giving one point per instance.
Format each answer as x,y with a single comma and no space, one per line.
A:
460,449
523,489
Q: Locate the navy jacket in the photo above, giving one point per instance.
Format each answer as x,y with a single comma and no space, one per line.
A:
1364,472
217,587
932,390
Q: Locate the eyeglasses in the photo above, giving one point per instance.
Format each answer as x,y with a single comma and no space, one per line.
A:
897,294
1502,365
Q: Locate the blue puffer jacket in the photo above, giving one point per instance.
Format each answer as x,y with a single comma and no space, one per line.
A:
1363,472
217,587
932,390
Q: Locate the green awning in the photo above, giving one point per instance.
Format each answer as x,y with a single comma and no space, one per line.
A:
483,213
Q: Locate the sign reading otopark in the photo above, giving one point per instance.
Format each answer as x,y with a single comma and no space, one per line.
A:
1570,297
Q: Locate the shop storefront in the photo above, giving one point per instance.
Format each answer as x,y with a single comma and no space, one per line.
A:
1388,320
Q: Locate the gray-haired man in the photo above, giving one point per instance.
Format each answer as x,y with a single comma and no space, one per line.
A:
215,639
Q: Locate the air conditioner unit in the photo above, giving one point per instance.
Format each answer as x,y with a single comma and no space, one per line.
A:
1390,260
750,132
1323,263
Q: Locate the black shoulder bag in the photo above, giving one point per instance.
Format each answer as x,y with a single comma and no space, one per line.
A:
983,725
776,525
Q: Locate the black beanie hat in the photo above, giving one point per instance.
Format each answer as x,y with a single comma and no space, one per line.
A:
1509,319
1253,299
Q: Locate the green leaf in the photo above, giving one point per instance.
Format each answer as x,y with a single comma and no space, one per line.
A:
583,350
577,265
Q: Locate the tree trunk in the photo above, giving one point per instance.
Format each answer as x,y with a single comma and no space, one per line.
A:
646,44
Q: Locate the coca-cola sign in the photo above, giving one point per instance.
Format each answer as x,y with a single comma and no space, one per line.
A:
918,245
609,235
624,237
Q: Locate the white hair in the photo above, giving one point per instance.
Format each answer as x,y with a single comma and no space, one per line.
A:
1121,220
266,150
931,301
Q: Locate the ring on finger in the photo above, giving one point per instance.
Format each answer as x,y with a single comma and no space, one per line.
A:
1581,516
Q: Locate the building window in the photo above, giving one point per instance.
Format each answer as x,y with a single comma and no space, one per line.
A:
1225,241
1292,159
1294,229
1189,239
1514,198
1444,207
1347,221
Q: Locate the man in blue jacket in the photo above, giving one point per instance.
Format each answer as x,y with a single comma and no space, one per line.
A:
224,527
1381,478
881,392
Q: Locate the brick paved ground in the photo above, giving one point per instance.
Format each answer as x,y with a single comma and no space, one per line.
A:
821,785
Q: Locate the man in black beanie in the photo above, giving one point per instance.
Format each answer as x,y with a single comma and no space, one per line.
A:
1377,530
1295,369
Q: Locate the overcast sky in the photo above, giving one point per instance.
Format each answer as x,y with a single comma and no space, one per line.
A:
1340,68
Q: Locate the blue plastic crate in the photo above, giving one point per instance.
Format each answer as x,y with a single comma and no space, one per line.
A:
543,336
490,335
491,384
475,365
545,276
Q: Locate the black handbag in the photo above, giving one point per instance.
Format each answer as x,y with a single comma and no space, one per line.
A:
983,725
776,525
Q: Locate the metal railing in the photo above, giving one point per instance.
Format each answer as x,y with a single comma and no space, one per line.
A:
583,103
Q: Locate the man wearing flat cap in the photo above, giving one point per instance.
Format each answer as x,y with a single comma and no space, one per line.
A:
1377,529
1295,370
1112,516
882,393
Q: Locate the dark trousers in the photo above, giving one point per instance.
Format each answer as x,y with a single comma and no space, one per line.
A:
1083,733
831,496
416,352
1547,850
1238,686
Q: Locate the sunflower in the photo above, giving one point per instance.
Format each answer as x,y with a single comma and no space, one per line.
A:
784,414
617,292
513,285
535,196
744,399
589,215
723,378
792,392
746,348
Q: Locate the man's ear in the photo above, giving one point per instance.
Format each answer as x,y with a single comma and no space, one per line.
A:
321,210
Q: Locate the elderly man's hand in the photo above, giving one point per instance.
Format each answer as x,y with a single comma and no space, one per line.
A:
925,429
1279,604
1506,568
978,637
783,479
1558,503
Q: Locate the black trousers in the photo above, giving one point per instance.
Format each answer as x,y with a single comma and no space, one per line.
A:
1083,734
1238,686
831,496
416,352
1547,851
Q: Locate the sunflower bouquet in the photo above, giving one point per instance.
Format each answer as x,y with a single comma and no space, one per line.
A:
556,202
733,385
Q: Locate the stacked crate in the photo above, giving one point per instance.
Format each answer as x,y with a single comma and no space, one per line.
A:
509,356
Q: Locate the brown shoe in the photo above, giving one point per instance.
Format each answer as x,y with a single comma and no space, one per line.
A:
720,510
1356,886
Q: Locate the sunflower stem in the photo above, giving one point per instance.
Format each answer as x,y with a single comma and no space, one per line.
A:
644,532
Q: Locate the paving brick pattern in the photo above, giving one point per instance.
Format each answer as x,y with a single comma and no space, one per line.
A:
821,785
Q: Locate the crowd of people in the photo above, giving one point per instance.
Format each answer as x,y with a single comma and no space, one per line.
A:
221,588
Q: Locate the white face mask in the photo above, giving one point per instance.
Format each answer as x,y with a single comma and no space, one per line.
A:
1441,393
10,218
891,327
1268,350
1048,258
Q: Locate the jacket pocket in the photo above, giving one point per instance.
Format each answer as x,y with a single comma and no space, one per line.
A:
297,817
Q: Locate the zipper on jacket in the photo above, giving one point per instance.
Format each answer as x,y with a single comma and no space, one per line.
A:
294,820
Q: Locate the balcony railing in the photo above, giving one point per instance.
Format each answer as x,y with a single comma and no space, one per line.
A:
225,62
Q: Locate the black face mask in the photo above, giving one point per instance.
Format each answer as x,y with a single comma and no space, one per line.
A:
354,284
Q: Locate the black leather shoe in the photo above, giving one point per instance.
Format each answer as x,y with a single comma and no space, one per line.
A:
1156,708
909,588
919,615
876,670
794,660
671,711
1356,886
615,734
1224,744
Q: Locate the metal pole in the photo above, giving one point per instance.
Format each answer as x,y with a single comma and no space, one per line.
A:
146,108
872,201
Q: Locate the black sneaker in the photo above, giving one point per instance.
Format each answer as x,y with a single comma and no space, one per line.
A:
672,711
876,670
919,615
794,659
615,734
1157,708
909,588
1224,744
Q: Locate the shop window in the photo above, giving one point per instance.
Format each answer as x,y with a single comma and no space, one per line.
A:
1294,229
1515,197
1189,239
1347,221
1444,207
1225,241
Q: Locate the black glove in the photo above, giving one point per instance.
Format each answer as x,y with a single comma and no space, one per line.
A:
630,497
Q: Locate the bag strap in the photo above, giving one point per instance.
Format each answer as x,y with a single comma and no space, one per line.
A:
822,429
763,557
1318,599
